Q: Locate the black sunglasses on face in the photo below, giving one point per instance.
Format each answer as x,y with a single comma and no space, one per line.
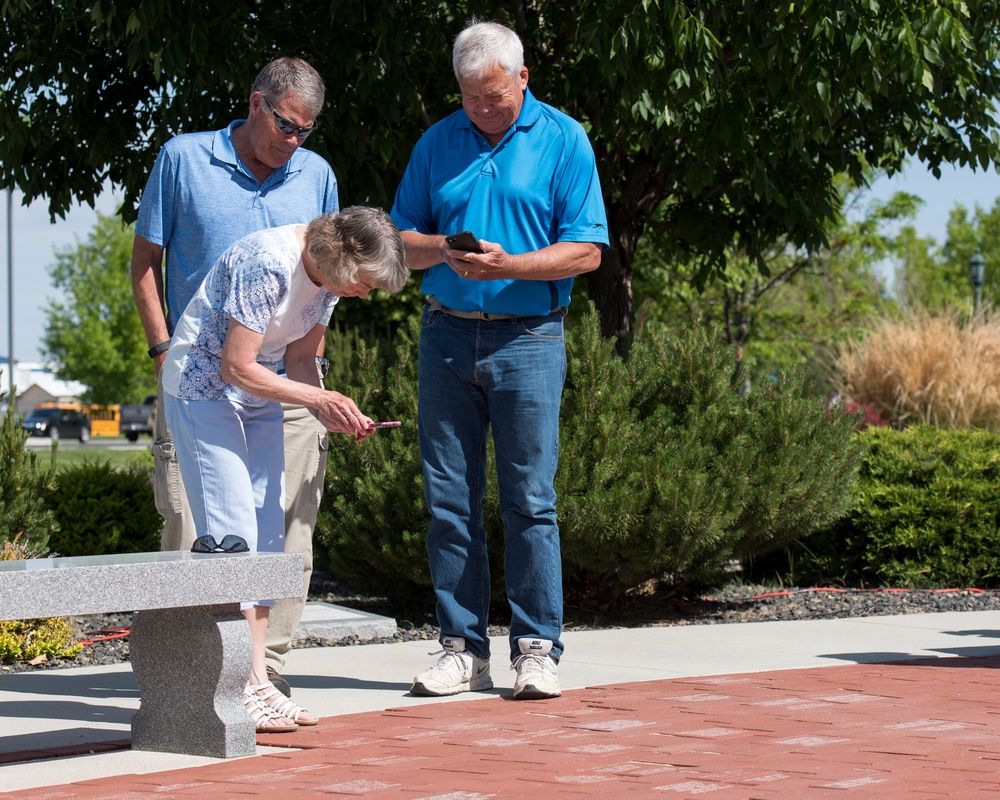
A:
286,125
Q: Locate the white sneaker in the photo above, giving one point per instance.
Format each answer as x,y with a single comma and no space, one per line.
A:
456,671
536,671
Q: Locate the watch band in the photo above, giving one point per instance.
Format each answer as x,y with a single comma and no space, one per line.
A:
155,350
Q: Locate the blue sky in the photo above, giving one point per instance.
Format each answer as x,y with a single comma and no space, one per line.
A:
36,240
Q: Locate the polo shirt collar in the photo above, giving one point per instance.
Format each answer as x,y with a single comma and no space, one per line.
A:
225,151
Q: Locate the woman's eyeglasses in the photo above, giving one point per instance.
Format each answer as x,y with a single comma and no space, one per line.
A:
286,125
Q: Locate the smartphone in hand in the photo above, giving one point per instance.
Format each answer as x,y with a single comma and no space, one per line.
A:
465,240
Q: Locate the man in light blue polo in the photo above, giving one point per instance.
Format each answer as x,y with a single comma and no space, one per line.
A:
206,191
521,176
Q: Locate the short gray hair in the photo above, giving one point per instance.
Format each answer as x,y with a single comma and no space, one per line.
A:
483,45
293,76
358,243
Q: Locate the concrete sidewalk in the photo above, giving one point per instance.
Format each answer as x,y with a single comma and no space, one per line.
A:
63,710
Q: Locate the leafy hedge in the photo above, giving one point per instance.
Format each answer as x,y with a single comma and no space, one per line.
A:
666,473
926,514
102,510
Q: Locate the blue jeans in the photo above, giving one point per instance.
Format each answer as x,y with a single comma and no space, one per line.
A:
505,375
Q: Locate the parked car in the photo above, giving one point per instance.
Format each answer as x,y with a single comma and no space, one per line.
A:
136,420
57,423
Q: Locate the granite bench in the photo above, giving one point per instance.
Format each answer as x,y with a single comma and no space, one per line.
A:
190,646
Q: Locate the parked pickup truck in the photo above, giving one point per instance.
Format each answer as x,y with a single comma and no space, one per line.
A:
137,420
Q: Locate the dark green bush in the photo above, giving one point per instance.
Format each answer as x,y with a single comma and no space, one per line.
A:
101,510
926,514
665,472
24,483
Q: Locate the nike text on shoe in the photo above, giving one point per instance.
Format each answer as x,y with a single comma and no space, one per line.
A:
536,671
456,671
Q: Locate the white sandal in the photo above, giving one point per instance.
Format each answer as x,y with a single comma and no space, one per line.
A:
265,718
281,705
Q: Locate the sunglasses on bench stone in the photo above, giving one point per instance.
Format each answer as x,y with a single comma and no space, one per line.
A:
229,544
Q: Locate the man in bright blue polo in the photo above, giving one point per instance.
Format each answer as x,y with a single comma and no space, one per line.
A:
522,177
206,191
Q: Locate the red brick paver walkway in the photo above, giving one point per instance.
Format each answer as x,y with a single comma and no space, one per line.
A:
914,729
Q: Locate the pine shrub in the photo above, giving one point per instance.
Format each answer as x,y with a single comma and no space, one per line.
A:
666,473
926,515
24,483
371,526
102,510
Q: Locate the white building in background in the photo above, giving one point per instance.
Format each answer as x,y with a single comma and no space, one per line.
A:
35,383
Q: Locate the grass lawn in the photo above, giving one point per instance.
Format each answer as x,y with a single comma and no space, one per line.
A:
95,453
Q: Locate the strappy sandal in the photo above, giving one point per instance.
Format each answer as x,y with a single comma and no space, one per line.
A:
281,705
265,718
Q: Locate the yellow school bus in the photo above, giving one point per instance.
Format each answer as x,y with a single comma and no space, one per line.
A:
103,419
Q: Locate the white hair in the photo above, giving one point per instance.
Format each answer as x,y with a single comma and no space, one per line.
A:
484,45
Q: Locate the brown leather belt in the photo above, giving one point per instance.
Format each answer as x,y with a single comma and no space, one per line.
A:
434,305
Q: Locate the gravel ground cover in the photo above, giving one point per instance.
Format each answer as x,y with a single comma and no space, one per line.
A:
735,603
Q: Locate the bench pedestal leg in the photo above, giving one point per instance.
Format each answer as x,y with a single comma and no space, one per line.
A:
191,665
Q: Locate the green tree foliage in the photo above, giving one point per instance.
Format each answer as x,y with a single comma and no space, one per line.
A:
935,276
924,515
665,472
95,337
808,302
724,124
24,484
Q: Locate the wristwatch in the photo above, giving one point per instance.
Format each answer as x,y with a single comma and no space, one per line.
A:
155,350
324,366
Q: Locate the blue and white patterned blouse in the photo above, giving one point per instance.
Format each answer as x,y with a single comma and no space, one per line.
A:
261,283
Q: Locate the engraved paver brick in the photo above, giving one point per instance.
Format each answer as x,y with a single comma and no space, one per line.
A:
924,729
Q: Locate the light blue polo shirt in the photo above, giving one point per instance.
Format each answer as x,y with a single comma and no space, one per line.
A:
538,186
200,198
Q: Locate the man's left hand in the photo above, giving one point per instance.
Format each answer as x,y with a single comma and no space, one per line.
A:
491,264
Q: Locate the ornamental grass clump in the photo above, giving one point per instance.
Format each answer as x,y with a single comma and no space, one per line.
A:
931,369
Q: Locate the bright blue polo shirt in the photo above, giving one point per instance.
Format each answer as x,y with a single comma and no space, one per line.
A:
200,198
538,186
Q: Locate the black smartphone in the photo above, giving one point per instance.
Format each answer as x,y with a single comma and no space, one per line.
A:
465,240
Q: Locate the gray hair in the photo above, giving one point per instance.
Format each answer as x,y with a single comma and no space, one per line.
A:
483,45
359,242
293,76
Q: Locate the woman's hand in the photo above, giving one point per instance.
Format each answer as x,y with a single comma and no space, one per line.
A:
339,414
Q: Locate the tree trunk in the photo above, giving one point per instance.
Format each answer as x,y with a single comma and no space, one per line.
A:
610,285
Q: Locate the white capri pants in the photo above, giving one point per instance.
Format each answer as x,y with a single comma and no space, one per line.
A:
232,463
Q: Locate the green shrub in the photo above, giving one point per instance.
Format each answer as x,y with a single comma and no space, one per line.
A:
371,527
101,510
665,472
30,638
24,483
926,514
23,640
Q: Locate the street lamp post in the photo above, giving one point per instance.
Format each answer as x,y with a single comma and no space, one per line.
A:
977,277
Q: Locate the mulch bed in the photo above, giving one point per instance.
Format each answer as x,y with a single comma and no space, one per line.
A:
108,639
